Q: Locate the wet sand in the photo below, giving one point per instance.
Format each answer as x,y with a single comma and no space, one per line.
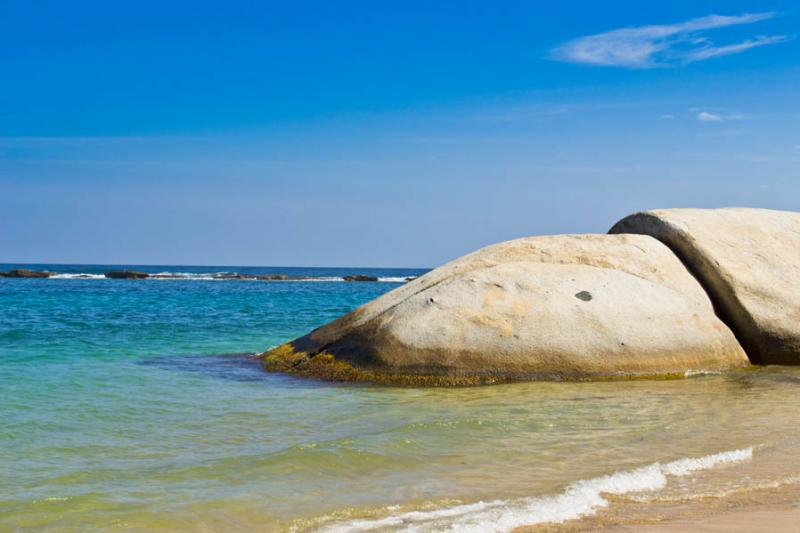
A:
777,520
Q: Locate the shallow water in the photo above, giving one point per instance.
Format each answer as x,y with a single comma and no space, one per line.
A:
119,411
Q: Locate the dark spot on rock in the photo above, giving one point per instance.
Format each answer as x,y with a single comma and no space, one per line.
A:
430,300
584,295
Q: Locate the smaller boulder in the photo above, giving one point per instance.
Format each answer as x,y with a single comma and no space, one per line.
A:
126,274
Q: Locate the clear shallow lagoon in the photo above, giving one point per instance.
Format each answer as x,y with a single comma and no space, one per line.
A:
121,410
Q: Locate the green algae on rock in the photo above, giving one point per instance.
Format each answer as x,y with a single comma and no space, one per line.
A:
568,307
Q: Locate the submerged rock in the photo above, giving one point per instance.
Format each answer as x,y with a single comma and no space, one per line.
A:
24,273
126,274
748,260
559,307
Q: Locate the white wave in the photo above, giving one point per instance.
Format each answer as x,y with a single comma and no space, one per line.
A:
183,276
193,278
581,498
80,275
395,279
683,467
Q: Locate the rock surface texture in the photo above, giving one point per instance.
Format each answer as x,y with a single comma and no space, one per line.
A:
559,307
748,260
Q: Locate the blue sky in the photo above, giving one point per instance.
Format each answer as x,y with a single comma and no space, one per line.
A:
380,134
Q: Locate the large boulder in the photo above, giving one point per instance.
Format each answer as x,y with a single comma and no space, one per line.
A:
748,260
560,307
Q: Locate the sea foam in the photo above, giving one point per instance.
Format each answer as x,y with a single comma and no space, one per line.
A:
78,276
582,498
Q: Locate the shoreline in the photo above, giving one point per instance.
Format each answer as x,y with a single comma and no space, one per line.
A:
776,509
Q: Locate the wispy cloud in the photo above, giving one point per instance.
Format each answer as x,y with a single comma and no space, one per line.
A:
705,115
662,44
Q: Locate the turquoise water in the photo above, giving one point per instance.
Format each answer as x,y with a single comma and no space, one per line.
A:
133,405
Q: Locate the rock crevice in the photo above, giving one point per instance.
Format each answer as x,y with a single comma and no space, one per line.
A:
748,261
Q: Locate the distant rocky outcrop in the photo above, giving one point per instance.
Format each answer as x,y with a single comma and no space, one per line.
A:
24,273
273,277
126,274
748,260
559,307
360,277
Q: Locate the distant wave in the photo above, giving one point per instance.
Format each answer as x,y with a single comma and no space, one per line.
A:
226,276
78,276
581,498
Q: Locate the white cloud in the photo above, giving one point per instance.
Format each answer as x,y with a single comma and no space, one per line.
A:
661,45
711,51
706,116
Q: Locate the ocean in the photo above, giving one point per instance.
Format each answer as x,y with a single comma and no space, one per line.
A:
138,405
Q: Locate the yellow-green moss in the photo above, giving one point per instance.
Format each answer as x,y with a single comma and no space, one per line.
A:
325,366
285,358
282,358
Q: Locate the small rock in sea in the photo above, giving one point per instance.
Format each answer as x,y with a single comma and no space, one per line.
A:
126,274
360,277
23,273
411,278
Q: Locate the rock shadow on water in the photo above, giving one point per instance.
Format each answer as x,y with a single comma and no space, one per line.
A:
768,374
241,367
238,367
